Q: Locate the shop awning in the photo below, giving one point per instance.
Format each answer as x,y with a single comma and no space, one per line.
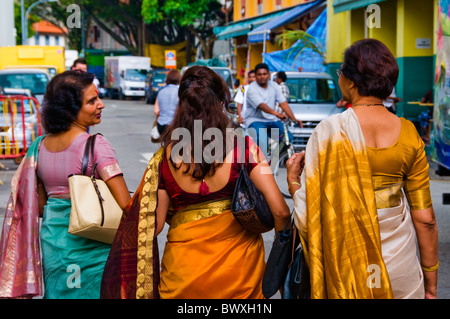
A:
243,27
257,35
345,5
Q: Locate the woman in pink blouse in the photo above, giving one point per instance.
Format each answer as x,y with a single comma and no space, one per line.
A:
72,266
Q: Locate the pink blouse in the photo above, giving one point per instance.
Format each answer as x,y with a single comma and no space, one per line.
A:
55,167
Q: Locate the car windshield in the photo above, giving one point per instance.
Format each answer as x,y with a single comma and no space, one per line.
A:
160,76
312,90
135,75
36,82
226,75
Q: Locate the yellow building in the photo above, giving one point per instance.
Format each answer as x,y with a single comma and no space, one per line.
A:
249,15
408,28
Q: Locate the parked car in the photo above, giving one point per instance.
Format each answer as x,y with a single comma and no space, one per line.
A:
35,80
313,97
13,129
10,91
154,82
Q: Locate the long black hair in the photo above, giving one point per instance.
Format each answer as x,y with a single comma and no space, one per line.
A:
204,97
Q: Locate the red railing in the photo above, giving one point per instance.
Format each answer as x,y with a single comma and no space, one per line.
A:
20,125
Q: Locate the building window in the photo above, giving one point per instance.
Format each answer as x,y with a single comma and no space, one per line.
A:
96,33
47,40
242,8
260,7
56,40
278,4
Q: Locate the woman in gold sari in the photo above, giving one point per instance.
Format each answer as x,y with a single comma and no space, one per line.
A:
189,184
363,197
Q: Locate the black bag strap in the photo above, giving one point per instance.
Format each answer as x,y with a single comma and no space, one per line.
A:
238,149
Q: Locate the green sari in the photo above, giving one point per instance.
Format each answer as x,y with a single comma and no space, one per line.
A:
72,267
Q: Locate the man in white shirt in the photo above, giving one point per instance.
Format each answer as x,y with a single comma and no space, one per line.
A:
241,97
261,116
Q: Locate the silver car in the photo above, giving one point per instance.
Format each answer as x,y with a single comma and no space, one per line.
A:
313,97
35,80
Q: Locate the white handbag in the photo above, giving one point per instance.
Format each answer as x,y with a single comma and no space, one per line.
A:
95,213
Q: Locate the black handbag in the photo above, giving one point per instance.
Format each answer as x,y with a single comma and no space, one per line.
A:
286,267
297,284
249,206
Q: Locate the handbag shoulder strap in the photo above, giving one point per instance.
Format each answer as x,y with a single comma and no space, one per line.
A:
238,152
89,152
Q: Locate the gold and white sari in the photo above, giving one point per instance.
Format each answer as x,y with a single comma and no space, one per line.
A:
358,242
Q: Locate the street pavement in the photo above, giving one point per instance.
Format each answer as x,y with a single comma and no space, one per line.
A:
127,125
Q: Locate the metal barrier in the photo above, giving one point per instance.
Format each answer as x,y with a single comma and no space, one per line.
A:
20,125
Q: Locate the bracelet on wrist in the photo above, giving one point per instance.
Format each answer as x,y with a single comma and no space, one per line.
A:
430,269
294,183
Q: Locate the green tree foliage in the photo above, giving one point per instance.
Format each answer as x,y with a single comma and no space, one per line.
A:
198,16
18,22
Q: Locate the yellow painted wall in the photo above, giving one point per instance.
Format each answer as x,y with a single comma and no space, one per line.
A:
357,22
255,54
414,20
337,36
387,33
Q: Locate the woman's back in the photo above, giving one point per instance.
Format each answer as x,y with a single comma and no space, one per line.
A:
380,127
54,166
185,190
396,154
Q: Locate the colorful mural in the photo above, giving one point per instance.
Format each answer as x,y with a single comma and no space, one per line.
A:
442,88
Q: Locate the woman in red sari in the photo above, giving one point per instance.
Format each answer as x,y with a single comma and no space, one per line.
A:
208,253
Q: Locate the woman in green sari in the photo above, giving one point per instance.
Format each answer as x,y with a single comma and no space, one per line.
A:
71,266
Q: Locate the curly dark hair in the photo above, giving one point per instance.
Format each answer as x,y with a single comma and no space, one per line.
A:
372,67
203,95
63,100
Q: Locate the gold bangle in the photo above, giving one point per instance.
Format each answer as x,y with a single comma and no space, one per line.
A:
430,269
294,183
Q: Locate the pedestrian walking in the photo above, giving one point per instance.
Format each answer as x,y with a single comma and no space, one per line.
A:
363,197
167,101
71,266
208,254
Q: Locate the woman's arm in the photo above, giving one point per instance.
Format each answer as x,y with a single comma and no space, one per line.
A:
263,179
156,108
42,197
119,190
427,237
161,209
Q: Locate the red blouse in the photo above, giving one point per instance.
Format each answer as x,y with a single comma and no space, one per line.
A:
181,199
